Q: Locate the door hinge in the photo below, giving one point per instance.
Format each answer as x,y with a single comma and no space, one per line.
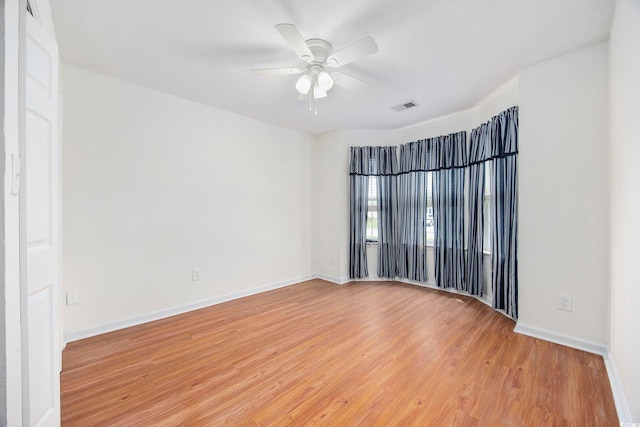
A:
15,174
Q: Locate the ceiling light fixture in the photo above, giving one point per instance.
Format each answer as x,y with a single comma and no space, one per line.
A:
319,92
324,80
315,82
304,84
315,77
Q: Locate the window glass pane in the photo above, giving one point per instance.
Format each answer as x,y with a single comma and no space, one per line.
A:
487,178
372,210
487,224
487,207
429,220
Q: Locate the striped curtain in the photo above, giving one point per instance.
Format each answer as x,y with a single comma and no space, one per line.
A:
448,211
417,159
387,161
358,191
363,163
504,242
478,156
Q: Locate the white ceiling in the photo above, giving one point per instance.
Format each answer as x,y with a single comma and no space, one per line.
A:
444,54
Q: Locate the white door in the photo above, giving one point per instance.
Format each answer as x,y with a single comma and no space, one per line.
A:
41,182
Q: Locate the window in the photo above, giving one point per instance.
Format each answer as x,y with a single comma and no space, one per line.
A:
429,225
487,207
372,210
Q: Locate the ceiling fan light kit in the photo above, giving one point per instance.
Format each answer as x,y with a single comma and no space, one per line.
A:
318,92
315,77
318,54
304,84
324,80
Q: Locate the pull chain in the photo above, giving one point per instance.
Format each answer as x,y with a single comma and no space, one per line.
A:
313,103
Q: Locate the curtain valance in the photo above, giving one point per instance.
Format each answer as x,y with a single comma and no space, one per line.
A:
496,138
373,161
432,154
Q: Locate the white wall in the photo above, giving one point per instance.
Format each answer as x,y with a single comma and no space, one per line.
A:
625,200
327,207
564,194
155,185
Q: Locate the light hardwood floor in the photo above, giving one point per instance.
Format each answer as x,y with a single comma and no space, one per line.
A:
361,354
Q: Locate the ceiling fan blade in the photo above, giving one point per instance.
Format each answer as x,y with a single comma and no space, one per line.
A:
292,36
348,82
357,50
275,71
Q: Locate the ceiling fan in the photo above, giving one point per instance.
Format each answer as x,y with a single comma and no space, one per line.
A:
318,56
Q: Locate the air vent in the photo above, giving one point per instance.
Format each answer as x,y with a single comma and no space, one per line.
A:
405,106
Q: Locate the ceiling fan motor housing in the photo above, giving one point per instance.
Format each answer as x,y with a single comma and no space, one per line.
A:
321,50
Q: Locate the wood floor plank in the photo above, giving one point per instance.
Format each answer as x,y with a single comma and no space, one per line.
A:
315,353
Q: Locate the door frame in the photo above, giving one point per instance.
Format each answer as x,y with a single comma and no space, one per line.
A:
12,142
24,287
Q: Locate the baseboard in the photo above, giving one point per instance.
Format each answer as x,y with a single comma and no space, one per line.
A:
173,311
562,339
332,279
622,408
432,285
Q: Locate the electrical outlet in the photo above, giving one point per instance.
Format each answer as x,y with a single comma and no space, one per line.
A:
195,274
564,302
73,297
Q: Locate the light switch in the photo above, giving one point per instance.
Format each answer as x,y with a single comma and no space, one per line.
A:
73,297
